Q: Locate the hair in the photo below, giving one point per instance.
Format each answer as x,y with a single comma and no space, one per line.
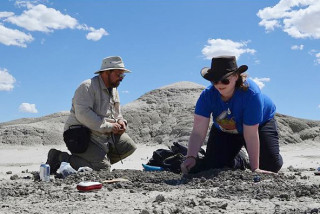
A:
240,83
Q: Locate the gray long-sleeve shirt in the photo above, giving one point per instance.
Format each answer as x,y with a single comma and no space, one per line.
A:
95,107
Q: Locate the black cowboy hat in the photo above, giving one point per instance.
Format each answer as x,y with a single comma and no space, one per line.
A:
222,66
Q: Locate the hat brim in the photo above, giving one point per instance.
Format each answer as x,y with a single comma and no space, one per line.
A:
108,69
205,72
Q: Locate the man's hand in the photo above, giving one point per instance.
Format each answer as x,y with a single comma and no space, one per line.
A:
123,126
119,127
116,128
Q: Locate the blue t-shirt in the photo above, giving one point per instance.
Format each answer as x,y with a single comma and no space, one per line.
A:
248,107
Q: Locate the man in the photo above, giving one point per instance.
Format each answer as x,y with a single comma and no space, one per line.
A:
95,130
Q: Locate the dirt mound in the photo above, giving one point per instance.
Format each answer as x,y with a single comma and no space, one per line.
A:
34,131
214,191
161,116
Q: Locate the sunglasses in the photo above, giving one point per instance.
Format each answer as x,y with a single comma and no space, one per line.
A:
225,81
120,75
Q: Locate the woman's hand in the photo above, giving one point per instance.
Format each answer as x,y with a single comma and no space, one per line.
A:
189,162
263,171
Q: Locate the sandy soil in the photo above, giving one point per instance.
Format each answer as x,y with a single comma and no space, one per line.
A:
294,190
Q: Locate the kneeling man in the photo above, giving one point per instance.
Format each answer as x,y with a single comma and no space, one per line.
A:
95,130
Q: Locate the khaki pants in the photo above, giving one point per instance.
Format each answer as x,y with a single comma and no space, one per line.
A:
99,156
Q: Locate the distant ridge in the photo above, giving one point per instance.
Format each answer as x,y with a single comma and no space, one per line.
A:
161,116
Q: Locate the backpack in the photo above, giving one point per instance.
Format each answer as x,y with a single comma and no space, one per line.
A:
171,159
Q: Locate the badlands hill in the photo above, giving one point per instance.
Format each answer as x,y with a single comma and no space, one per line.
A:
161,116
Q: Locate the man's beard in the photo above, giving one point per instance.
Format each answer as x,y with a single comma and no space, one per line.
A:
115,84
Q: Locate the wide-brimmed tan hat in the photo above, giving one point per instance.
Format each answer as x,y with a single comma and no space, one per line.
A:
221,67
112,63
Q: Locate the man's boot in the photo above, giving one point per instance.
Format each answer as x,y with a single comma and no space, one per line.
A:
54,160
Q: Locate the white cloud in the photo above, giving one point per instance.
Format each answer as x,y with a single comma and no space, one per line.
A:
14,37
219,47
298,18
96,35
28,108
297,47
43,19
317,60
315,53
6,14
270,25
125,92
261,81
6,80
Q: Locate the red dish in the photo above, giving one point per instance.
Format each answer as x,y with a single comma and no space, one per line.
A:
85,186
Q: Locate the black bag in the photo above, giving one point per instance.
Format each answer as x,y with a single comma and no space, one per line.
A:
77,138
173,163
171,159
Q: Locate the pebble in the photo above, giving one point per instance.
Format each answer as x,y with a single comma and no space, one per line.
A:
223,205
14,177
256,178
160,198
285,196
144,212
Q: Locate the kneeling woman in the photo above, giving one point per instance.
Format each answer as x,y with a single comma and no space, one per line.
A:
242,116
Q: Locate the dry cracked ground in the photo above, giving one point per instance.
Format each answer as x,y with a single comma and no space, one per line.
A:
213,191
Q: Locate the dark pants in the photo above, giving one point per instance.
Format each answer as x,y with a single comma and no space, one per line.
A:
223,148
97,158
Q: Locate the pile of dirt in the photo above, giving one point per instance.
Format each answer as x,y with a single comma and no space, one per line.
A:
45,130
161,116
213,191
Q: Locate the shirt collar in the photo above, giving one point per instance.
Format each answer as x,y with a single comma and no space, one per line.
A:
102,83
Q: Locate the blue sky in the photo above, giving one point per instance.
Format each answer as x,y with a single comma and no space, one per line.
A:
47,48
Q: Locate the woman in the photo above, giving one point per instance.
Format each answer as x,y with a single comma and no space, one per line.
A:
242,116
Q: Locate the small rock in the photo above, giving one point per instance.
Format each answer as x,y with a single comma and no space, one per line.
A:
160,198
223,205
14,177
144,212
256,178
285,196
9,172
297,173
